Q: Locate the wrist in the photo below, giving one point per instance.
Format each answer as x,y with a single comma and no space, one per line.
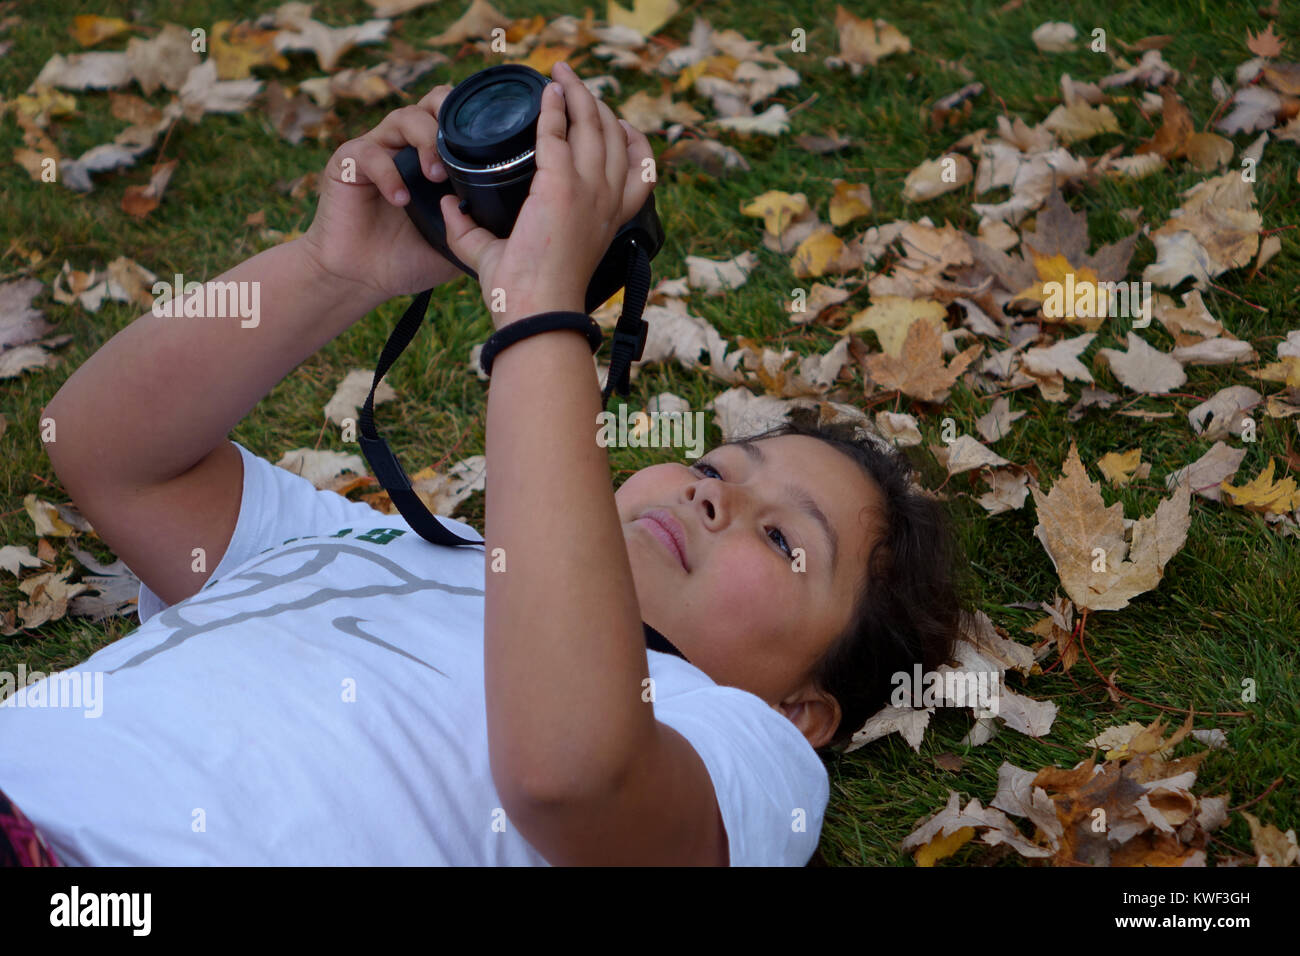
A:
331,284
523,308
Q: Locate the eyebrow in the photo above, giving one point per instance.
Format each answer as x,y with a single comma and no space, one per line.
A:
802,499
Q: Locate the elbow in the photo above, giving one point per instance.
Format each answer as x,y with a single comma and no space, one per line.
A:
552,787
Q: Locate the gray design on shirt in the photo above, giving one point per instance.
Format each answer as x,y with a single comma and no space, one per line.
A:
324,553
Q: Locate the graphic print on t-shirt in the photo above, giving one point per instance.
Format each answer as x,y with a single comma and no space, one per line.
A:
320,554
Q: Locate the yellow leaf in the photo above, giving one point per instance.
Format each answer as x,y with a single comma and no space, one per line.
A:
718,65
823,252
238,47
1286,370
890,316
777,209
44,102
89,29
1118,467
1263,495
850,201
942,847
645,17
542,57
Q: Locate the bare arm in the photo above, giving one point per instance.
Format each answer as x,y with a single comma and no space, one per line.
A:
140,429
163,393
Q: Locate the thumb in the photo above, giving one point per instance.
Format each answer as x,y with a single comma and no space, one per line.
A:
465,237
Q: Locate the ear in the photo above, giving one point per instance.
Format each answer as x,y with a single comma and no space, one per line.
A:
816,714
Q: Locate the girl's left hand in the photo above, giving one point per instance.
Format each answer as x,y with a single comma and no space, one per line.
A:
591,178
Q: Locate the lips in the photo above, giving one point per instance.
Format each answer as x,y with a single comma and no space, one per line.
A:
667,529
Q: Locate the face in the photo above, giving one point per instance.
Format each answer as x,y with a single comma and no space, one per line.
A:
763,585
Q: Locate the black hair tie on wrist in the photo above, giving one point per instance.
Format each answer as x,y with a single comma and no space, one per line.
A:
542,322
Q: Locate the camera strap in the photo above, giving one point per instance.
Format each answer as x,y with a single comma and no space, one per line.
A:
629,342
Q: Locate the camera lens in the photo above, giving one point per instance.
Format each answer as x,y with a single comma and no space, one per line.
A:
491,118
495,110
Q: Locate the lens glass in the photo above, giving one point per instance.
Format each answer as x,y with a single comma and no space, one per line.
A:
495,111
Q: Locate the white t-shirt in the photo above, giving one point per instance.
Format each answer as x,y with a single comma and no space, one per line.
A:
320,701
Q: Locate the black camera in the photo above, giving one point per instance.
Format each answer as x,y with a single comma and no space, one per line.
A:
487,133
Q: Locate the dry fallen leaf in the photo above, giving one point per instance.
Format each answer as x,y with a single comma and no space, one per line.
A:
919,369
139,201
1216,229
890,316
351,394
717,276
1100,567
1120,468
1206,475
865,42
89,29
1143,368
320,467
1263,494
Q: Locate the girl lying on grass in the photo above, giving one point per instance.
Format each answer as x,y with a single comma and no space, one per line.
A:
329,688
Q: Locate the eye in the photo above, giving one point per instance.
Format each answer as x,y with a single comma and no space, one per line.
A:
782,543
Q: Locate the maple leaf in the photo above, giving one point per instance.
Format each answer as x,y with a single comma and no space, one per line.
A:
20,323
865,42
238,48
1058,231
164,61
88,29
1101,568
50,593
1264,43
1079,121
890,316
299,32
648,113
1054,37
1143,368
919,369
1264,495
777,209
320,467
1175,128
851,201
1274,847
1206,475
1122,467
117,589
937,176
824,252
1216,229
351,394
646,16
139,201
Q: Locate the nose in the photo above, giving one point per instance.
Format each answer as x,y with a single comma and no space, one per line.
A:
714,500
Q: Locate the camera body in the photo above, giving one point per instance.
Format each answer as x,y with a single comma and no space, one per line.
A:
487,134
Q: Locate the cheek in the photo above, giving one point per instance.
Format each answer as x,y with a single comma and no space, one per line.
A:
748,582
645,489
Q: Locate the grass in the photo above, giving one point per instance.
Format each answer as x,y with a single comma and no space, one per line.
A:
1224,611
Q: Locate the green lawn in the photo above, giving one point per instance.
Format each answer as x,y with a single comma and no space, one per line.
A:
1226,609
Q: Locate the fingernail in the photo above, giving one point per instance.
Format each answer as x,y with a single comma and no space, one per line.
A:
437,170
555,87
401,196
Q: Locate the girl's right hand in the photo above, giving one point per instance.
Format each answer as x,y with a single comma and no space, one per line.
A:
361,232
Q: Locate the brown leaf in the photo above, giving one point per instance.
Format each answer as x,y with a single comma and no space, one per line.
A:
1101,566
89,29
1265,42
139,201
919,371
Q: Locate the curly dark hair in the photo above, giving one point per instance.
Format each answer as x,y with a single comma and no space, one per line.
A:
910,597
